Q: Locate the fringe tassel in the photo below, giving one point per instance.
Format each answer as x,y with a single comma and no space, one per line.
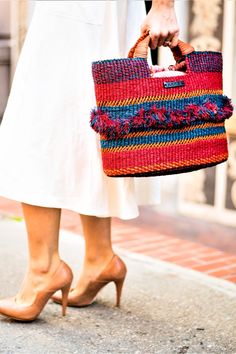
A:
156,117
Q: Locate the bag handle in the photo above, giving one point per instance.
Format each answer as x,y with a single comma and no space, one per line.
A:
140,49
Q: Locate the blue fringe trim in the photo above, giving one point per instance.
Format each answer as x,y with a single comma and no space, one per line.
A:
115,122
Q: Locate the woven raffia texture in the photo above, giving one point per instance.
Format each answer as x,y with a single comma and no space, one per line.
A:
129,99
165,151
162,125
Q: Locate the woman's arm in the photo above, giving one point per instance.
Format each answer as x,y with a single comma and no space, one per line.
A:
161,23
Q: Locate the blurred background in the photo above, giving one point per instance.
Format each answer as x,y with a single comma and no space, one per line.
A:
194,227
208,25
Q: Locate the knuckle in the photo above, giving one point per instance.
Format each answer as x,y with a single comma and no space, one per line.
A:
154,36
174,30
164,34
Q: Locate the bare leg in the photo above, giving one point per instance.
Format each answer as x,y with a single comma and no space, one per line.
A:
97,234
43,230
98,247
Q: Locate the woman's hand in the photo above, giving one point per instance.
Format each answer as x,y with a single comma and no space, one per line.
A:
162,25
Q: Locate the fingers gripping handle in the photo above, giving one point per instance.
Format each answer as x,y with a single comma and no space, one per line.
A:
140,49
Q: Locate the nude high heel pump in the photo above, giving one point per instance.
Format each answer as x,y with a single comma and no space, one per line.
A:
61,279
115,271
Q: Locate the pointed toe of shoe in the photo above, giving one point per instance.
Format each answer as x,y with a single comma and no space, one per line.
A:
9,308
73,299
6,306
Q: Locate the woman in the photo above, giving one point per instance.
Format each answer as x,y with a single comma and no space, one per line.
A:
57,163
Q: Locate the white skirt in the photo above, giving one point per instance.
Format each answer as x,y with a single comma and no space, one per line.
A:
49,154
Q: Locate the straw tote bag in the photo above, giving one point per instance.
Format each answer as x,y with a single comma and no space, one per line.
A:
152,126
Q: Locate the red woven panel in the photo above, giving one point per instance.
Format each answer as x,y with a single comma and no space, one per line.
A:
154,86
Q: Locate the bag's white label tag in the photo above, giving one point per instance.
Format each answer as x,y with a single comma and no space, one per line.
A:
169,84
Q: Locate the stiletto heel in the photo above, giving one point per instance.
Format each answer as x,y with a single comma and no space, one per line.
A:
61,279
65,292
115,271
119,285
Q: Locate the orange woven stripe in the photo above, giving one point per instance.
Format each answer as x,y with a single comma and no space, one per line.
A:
168,165
168,143
131,101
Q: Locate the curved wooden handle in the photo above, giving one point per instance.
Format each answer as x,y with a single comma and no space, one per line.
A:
140,49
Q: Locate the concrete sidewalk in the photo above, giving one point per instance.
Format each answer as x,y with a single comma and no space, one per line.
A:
165,309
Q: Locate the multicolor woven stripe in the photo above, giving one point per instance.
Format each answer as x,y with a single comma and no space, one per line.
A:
162,152
162,125
161,114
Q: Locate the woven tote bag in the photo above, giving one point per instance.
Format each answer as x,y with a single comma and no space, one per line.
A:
152,126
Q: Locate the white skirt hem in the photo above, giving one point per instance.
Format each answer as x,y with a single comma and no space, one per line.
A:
69,204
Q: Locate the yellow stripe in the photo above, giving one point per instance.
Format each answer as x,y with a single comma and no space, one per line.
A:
165,166
168,143
138,100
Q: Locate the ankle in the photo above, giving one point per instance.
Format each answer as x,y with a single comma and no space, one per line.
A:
95,259
43,267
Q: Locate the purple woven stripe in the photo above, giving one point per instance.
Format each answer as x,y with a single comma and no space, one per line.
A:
109,71
205,61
